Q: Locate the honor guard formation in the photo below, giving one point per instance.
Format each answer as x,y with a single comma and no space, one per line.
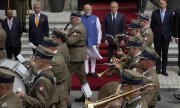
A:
136,55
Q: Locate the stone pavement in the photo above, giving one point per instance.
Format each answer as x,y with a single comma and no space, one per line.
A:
172,82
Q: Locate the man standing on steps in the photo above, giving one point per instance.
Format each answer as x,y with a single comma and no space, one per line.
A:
114,23
162,27
12,26
177,33
38,25
93,36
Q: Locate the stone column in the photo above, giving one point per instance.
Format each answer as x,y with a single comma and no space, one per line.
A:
71,5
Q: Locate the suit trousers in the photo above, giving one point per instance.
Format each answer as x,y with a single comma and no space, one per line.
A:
78,68
13,51
111,49
161,47
179,54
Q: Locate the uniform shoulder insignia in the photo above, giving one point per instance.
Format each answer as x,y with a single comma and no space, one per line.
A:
139,105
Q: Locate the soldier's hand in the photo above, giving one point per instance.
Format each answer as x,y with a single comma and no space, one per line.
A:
98,45
20,94
120,52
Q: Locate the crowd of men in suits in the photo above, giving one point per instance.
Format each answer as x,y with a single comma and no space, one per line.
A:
61,54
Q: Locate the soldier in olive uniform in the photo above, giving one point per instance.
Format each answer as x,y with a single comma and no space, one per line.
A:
134,29
58,36
75,40
134,49
7,97
2,42
132,80
146,31
59,68
146,63
44,83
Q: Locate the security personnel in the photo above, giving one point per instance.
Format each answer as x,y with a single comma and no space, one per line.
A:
7,97
21,10
44,83
75,40
146,64
146,31
2,41
59,68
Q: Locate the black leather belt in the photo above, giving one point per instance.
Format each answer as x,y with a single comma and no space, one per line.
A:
2,48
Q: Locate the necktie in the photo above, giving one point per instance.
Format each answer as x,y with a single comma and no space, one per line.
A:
114,19
37,20
162,15
10,24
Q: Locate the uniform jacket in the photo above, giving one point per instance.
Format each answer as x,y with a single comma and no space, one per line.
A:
151,77
147,34
11,101
160,29
76,39
41,91
60,68
113,29
36,34
2,43
13,35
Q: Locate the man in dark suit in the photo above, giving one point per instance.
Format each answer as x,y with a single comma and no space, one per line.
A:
114,23
38,25
12,26
177,33
162,27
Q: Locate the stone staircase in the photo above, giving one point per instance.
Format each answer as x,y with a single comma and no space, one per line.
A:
60,20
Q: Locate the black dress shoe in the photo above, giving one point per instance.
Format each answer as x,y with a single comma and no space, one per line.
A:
81,99
159,97
179,73
94,75
177,96
158,71
165,73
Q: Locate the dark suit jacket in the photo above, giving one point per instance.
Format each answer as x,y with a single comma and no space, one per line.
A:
164,29
113,29
177,24
36,34
13,36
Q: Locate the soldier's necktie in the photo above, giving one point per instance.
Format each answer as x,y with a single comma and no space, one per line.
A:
37,20
162,15
114,19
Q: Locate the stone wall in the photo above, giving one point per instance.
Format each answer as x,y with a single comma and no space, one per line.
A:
68,4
